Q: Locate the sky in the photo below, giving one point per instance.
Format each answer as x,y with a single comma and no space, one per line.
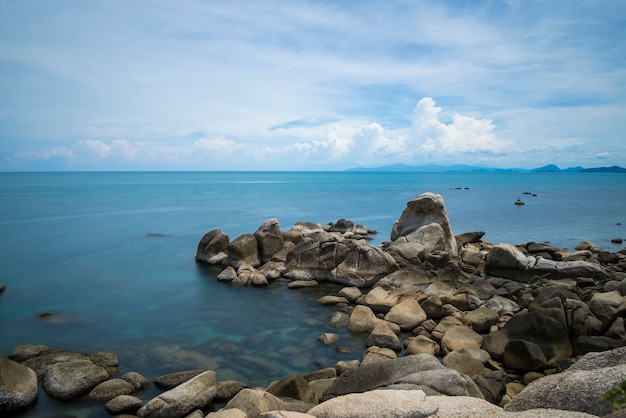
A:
311,84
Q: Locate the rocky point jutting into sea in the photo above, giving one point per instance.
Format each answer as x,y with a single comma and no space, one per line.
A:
456,327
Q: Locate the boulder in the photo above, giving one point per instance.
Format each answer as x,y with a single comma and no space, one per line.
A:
469,361
171,380
228,413
421,371
70,379
607,306
18,385
248,275
422,345
492,384
375,353
295,387
138,381
351,293
362,266
524,355
227,275
481,319
378,403
444,325
577,388
21,353
381,300
328,338
227,389
270,239
425,221
408,314
195,393
123,404
547,328
243,249
432,306
212,247
409,277
255,402
384,337
460,337
469,237
111,388
505,260
362,319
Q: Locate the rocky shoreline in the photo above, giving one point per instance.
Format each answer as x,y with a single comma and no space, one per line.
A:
456,326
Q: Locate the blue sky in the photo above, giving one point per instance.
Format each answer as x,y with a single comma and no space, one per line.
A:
310,85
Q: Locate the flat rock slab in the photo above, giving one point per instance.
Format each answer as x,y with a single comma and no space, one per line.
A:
193,394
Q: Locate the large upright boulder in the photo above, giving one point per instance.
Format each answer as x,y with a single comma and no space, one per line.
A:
244,249
425,221
270,239
212,247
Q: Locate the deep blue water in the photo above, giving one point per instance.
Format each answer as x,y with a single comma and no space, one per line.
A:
113,255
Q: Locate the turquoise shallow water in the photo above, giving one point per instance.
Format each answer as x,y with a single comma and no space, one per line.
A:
113,255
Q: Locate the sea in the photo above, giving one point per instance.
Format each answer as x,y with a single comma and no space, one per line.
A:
104,261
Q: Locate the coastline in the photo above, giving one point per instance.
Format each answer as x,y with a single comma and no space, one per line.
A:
479,291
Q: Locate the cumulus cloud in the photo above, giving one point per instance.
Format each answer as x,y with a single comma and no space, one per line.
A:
86,151
464,134
338,144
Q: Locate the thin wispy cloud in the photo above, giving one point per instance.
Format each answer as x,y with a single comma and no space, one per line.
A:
310,85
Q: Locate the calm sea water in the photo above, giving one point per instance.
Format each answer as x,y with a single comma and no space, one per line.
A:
112,255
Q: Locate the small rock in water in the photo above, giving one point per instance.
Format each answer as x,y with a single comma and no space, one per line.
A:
614,241
328,338
2,288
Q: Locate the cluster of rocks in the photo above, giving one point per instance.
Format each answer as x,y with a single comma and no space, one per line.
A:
504,315
416,385
456,327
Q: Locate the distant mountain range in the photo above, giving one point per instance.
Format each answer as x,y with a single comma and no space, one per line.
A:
434,168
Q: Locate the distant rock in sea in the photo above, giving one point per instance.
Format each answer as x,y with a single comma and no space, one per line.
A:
460,168
612,169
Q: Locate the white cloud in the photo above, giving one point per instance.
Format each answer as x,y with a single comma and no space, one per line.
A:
465,134
507,76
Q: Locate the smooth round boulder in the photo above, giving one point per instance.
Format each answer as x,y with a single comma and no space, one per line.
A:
71,379
18,385
460,337
21,353
362,319
111,388
136,379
